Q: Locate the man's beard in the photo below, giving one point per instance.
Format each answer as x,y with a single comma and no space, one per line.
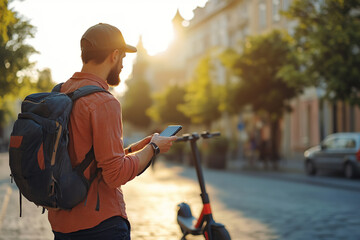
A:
113,78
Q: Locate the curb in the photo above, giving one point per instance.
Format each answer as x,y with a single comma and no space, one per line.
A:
322,181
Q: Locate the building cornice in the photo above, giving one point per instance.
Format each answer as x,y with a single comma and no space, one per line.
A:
221,7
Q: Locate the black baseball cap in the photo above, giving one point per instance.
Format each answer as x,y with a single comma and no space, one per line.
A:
104,36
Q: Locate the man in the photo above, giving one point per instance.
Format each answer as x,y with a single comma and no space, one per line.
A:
96,121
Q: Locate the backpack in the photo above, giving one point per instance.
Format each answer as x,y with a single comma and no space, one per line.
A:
38,155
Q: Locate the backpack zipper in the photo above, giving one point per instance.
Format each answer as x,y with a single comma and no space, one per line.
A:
33,102
59,127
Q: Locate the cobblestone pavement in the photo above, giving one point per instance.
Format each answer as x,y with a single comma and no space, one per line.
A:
251,207
33,225
152,201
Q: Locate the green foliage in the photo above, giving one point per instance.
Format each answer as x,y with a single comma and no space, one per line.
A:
166,106
259,66
137,100
202,95
328,46
264,80
227,92
6,18
14,59
14,53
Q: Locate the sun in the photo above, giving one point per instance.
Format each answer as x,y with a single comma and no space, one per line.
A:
157,34
157,40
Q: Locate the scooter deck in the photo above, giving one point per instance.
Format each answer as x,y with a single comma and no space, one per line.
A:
187,224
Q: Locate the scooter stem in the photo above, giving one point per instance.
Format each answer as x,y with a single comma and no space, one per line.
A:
196,156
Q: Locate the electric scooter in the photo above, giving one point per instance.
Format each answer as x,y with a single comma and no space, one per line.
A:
205,224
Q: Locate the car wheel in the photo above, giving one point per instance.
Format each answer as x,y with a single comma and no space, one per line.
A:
349,171
310,168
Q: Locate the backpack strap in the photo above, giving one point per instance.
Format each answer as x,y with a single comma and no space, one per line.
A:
20,203
86,90
57,88
89,157
80,92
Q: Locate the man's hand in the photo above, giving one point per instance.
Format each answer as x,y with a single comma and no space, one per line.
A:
146,153
140,144
164,143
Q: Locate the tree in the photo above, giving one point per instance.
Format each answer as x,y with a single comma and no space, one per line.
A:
137,100
202,97
44,82
14,56
14,52
328,45
6,18
166,106
260,83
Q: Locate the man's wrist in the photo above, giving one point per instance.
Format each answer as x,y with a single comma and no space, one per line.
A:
155,148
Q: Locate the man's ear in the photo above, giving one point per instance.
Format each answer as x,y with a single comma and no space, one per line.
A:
114,56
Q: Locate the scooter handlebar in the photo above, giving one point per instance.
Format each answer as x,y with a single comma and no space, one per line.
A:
205,135
210,135
183,138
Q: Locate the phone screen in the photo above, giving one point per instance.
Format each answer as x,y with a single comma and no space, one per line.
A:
171,130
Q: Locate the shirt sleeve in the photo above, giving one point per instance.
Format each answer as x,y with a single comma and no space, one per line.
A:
117,168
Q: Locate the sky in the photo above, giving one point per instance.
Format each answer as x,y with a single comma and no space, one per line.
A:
61,23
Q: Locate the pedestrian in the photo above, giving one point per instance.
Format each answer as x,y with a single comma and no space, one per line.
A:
96,122
253,149
264,144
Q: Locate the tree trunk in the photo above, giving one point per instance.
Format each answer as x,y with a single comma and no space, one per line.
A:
274,143
335,129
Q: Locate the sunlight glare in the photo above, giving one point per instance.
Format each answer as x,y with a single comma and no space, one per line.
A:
157,40
58,36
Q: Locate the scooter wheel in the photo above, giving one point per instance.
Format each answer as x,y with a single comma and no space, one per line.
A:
219,232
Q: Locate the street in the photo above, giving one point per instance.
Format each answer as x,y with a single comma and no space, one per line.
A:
251,206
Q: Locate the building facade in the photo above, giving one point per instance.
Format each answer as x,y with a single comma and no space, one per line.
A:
223,24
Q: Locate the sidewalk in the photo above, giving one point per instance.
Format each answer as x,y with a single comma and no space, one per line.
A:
162,189
151,206
293,171
32,225
284,165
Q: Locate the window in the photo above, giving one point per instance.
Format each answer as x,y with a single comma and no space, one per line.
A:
214,34
329,143
276,10
262,14
286,4
339,143
349,143
243,11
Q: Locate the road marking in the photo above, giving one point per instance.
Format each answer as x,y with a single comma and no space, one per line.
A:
5,204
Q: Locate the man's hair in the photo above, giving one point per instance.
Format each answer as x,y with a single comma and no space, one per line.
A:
89,54
96,56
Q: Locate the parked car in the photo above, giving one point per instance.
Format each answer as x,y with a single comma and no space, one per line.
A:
339,151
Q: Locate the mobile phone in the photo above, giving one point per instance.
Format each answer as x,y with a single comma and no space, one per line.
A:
171,130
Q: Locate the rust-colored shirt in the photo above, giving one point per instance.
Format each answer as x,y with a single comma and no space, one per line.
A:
96,121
